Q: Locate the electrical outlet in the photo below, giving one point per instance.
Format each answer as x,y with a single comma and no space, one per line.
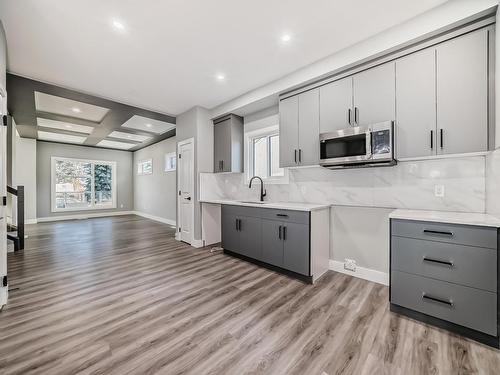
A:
439,191
350,265
121,205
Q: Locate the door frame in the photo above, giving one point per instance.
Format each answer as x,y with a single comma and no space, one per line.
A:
178,236
4,294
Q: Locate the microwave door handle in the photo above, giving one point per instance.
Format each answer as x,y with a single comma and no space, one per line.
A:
368,144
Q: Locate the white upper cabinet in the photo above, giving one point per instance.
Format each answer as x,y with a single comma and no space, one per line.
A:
462,94
374,95
309,127
416,104
289,131
336,106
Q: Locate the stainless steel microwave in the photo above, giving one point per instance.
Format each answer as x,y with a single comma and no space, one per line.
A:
359,146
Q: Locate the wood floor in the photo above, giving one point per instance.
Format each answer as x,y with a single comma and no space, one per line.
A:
120,296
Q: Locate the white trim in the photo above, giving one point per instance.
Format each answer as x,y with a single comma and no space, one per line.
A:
155,218
445,156
361,272
197,243
141,163
169,155
177,235
93,206
31,221
83,216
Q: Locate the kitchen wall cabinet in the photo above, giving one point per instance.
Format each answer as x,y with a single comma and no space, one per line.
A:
299,130
336,106
295,241
416,105
462,94
228,144
374,95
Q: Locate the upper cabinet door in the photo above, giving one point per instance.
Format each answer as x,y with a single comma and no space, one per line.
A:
222,146
462,94
309,127
416,104
335,106
374,95
289,131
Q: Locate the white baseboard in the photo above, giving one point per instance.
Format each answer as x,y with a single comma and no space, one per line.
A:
177,236
361,272
31,221
83,216
197,243
156,218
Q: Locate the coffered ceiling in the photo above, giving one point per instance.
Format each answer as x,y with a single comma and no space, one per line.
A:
51,113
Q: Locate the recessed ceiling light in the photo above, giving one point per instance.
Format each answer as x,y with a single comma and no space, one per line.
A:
68,126
148,125
76,109
220,77
118,25
286,38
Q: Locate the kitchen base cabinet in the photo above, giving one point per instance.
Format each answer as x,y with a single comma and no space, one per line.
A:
447,275
293,241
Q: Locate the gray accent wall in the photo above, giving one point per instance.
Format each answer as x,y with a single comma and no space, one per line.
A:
155,194
124,164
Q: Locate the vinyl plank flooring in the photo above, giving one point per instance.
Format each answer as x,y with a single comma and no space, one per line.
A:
119,295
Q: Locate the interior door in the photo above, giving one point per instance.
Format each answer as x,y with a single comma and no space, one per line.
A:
462,94
3,188
289,131
416,104
186,190
374,95
335,106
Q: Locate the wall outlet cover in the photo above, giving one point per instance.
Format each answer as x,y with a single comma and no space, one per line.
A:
350,264
439,191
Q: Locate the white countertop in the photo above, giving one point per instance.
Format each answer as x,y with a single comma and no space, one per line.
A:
466,218
278,205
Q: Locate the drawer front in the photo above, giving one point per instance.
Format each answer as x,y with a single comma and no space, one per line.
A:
452,233
465,265
240,210
469,307
286,216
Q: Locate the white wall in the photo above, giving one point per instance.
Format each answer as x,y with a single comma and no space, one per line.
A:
24,173
155,194
3,57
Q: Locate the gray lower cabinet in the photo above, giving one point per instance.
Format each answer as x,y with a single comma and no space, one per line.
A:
277,237
447,274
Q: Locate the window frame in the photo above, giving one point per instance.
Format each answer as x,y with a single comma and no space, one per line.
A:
93,206
249,155
167,156
141,163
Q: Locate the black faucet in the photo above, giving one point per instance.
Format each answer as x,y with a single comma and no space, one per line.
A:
262,191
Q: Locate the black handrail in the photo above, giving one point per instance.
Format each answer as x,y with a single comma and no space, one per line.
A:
19,239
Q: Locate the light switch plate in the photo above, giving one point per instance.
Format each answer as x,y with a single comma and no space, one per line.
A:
439,191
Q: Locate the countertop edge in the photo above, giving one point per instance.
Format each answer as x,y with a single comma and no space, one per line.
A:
477,219
273,205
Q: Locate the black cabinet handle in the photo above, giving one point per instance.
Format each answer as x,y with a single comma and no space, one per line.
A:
426,296
284,233
432,139
349,116
239,224
438,261
445,233
279,232
300,155
236,222
441,136
282,215
356,115
222,165
295,157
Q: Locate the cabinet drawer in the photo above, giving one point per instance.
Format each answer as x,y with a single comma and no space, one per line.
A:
286,216
465,265
469,307
452,233
240,210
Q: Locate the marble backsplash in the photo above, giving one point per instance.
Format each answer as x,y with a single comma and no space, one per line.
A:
493,183
409,184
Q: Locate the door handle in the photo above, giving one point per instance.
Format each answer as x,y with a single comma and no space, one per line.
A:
432,139
279,232
438,261
284,233
448,302
441,134
356,115
188,198
349,116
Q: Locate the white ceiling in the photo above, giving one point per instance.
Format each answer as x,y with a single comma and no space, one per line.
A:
169,53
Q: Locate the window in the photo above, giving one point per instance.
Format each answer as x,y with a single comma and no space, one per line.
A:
170,162
263,154
83,184
145,167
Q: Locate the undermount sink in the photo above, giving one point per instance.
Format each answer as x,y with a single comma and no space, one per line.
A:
252,202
